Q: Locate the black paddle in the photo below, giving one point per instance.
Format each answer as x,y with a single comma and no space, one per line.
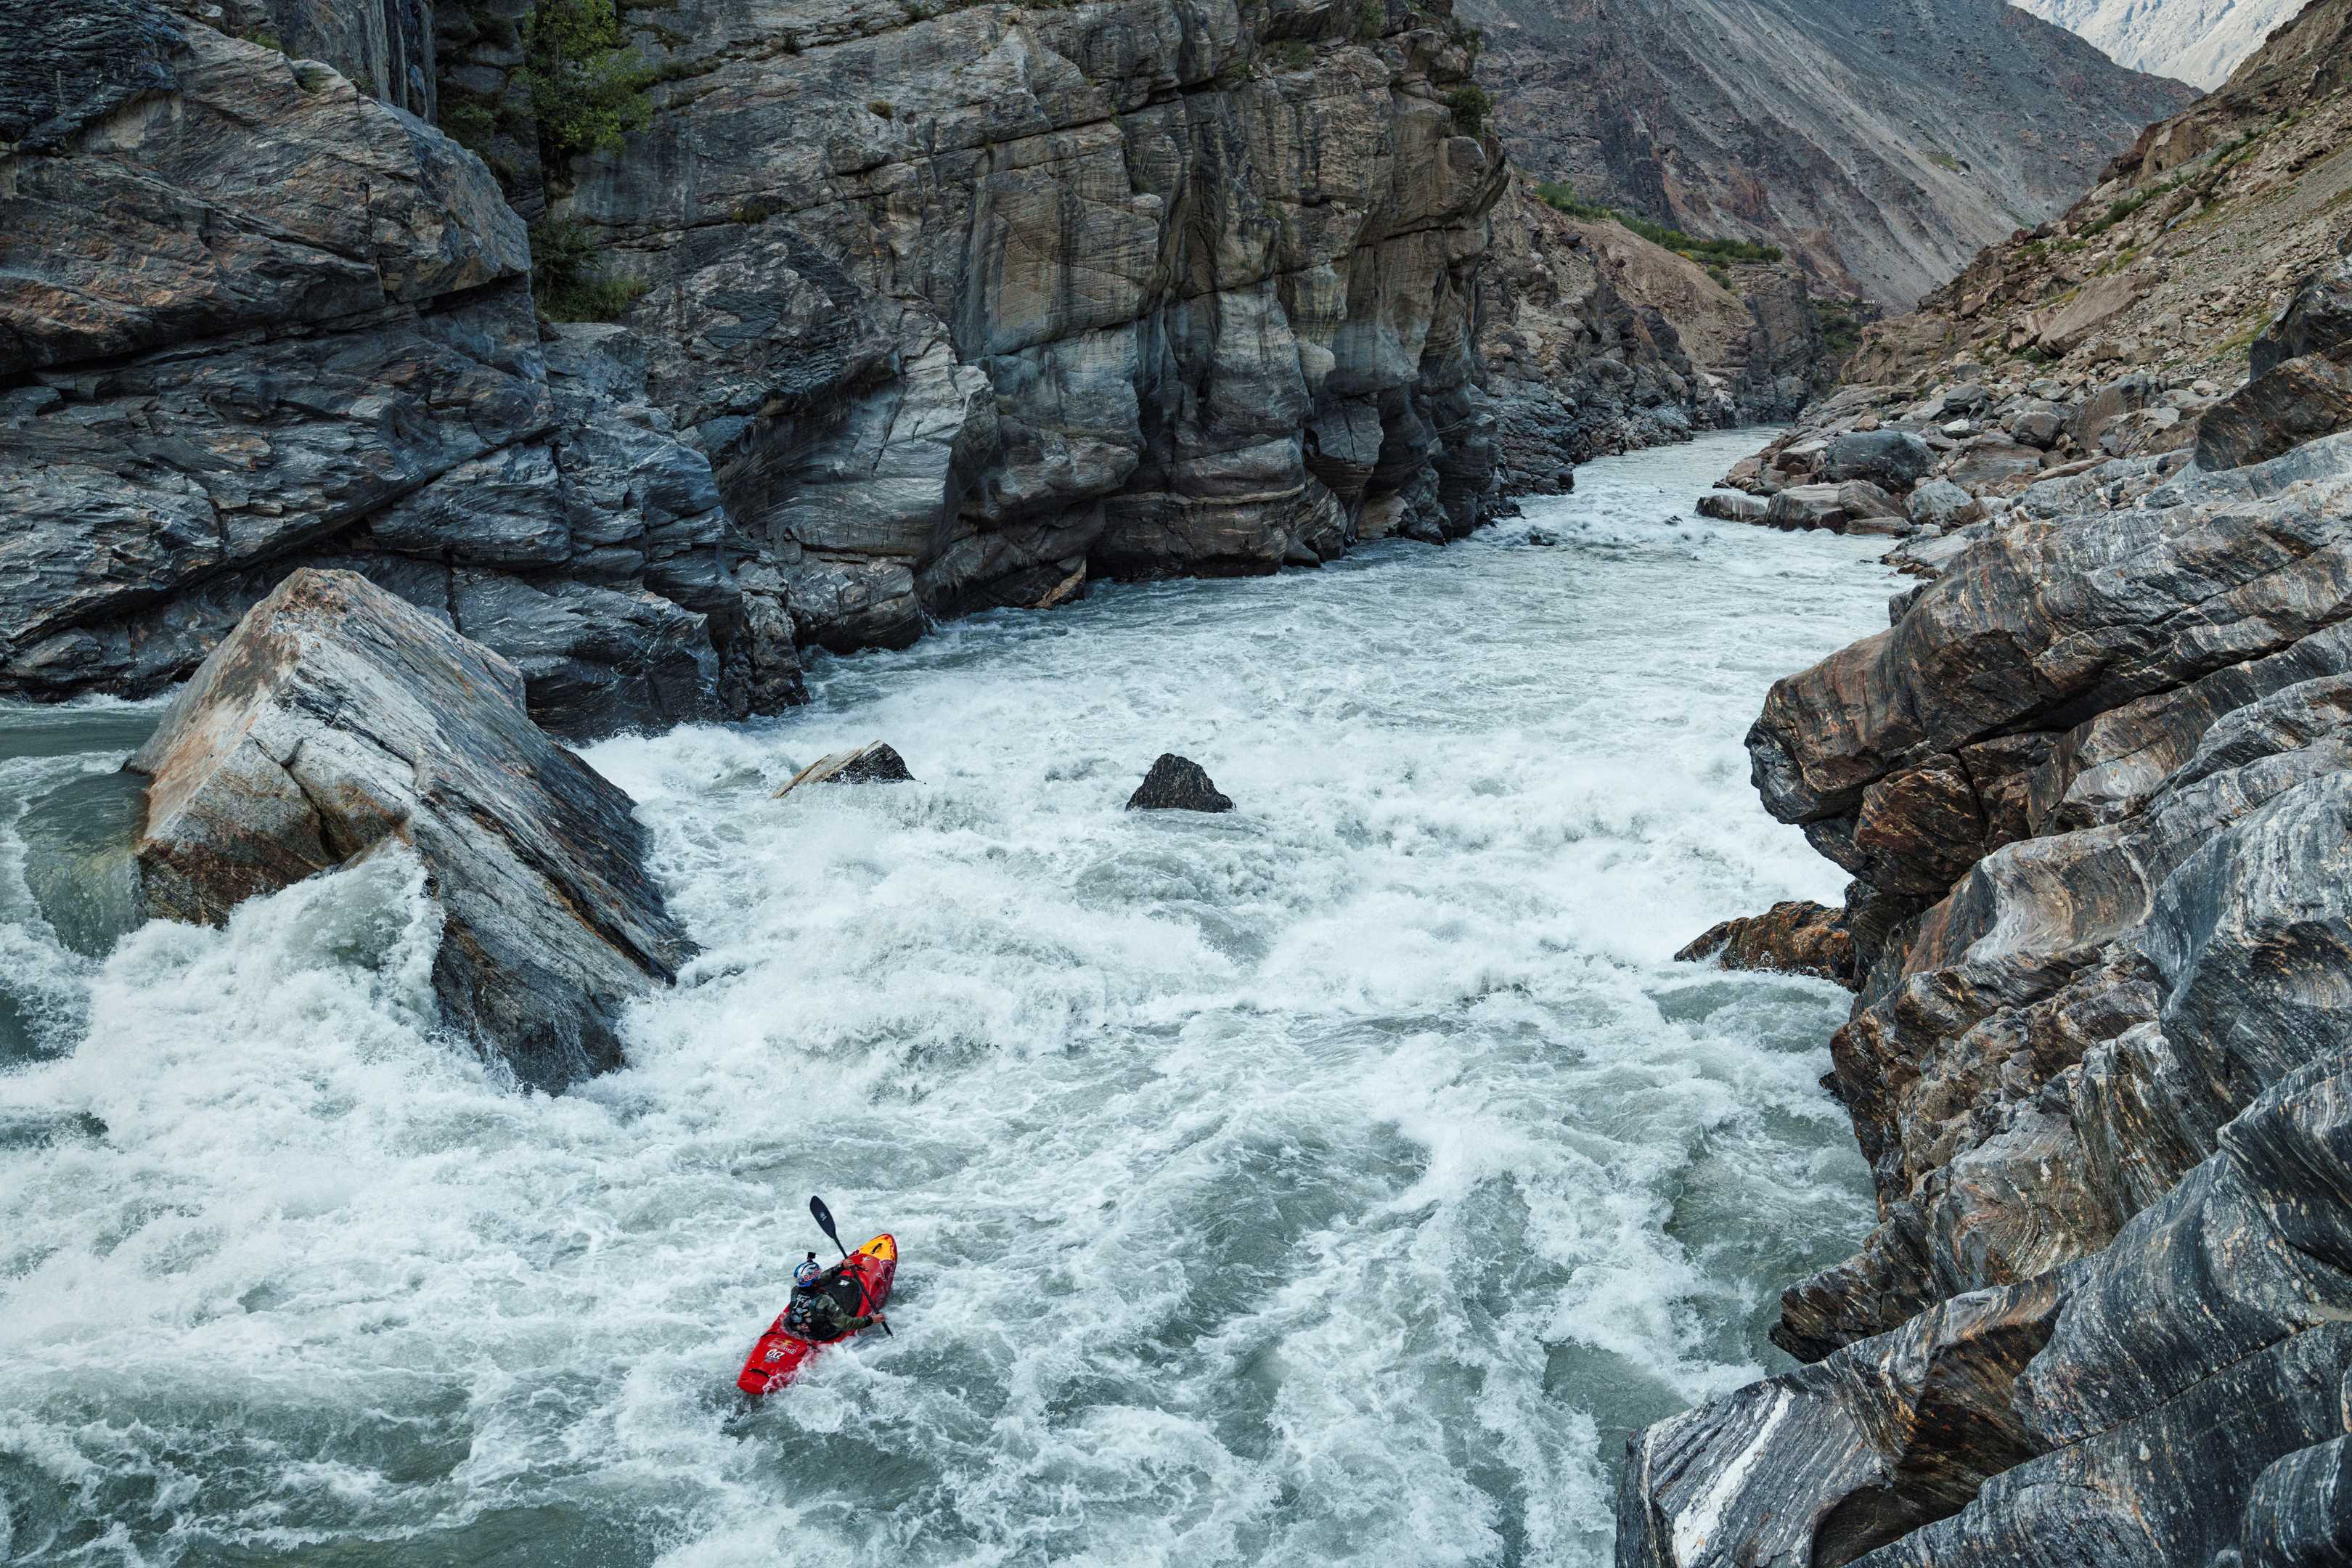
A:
824,1223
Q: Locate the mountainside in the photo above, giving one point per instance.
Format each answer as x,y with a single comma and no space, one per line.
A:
1885,151
2197,41
2093,785
2175,262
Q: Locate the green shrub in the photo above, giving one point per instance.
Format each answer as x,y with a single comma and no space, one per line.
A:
1290,55
1471,105
587,87
564,280
1714,254
1372,19
881,108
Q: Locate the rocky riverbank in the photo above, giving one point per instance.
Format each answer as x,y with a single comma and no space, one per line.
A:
2092,785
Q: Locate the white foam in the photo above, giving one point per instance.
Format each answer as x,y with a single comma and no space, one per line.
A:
1342,1173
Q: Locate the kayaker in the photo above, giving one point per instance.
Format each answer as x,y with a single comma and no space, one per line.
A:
824,1317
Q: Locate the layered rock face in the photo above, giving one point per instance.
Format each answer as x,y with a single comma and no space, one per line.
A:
1883,147
338,721
970,308
2094,786
2197,41
254,319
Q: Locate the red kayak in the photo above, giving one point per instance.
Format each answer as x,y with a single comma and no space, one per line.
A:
862,1284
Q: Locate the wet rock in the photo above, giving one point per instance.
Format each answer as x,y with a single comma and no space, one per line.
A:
1733,506
1817,1468
873,763
1177,784
338,721
1892,459
276,323
1792,938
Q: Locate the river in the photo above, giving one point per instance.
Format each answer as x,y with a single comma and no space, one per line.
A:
1339,1178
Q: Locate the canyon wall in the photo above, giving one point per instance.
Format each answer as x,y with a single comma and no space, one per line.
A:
913,313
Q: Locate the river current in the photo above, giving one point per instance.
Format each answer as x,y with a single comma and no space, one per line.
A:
1339,1178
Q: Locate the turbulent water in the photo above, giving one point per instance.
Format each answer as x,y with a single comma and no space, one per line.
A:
1338,1177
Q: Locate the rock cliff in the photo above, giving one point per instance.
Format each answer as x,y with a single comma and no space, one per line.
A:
253,317
2093,785
918,313
1883,146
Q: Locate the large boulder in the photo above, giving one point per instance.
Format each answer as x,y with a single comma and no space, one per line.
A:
1892,459
2296,400
1855,506
338,721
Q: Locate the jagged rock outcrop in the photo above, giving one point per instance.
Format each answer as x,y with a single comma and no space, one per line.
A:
1883,148
338,720
2094,786
2197,41
972,307
263,320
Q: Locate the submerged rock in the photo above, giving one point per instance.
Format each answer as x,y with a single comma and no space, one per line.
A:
873,763
1793,938
338,719
1177,784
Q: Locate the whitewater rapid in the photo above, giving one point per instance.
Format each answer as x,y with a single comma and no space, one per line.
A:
1338,1178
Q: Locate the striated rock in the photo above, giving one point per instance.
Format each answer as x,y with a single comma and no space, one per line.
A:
873,763
1733,506
1855,1452
2295,401
2198,41
337,719
1108,290
1177,784
1793,938
1941,504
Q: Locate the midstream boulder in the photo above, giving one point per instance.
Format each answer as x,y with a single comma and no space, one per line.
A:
337,719
1177,784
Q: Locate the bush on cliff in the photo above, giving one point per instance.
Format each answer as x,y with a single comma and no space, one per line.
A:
587,86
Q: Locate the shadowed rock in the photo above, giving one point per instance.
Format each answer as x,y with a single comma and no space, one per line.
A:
873,763
1792,938
1176,784
338,719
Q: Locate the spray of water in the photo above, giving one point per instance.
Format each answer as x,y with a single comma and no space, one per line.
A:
1349,1172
